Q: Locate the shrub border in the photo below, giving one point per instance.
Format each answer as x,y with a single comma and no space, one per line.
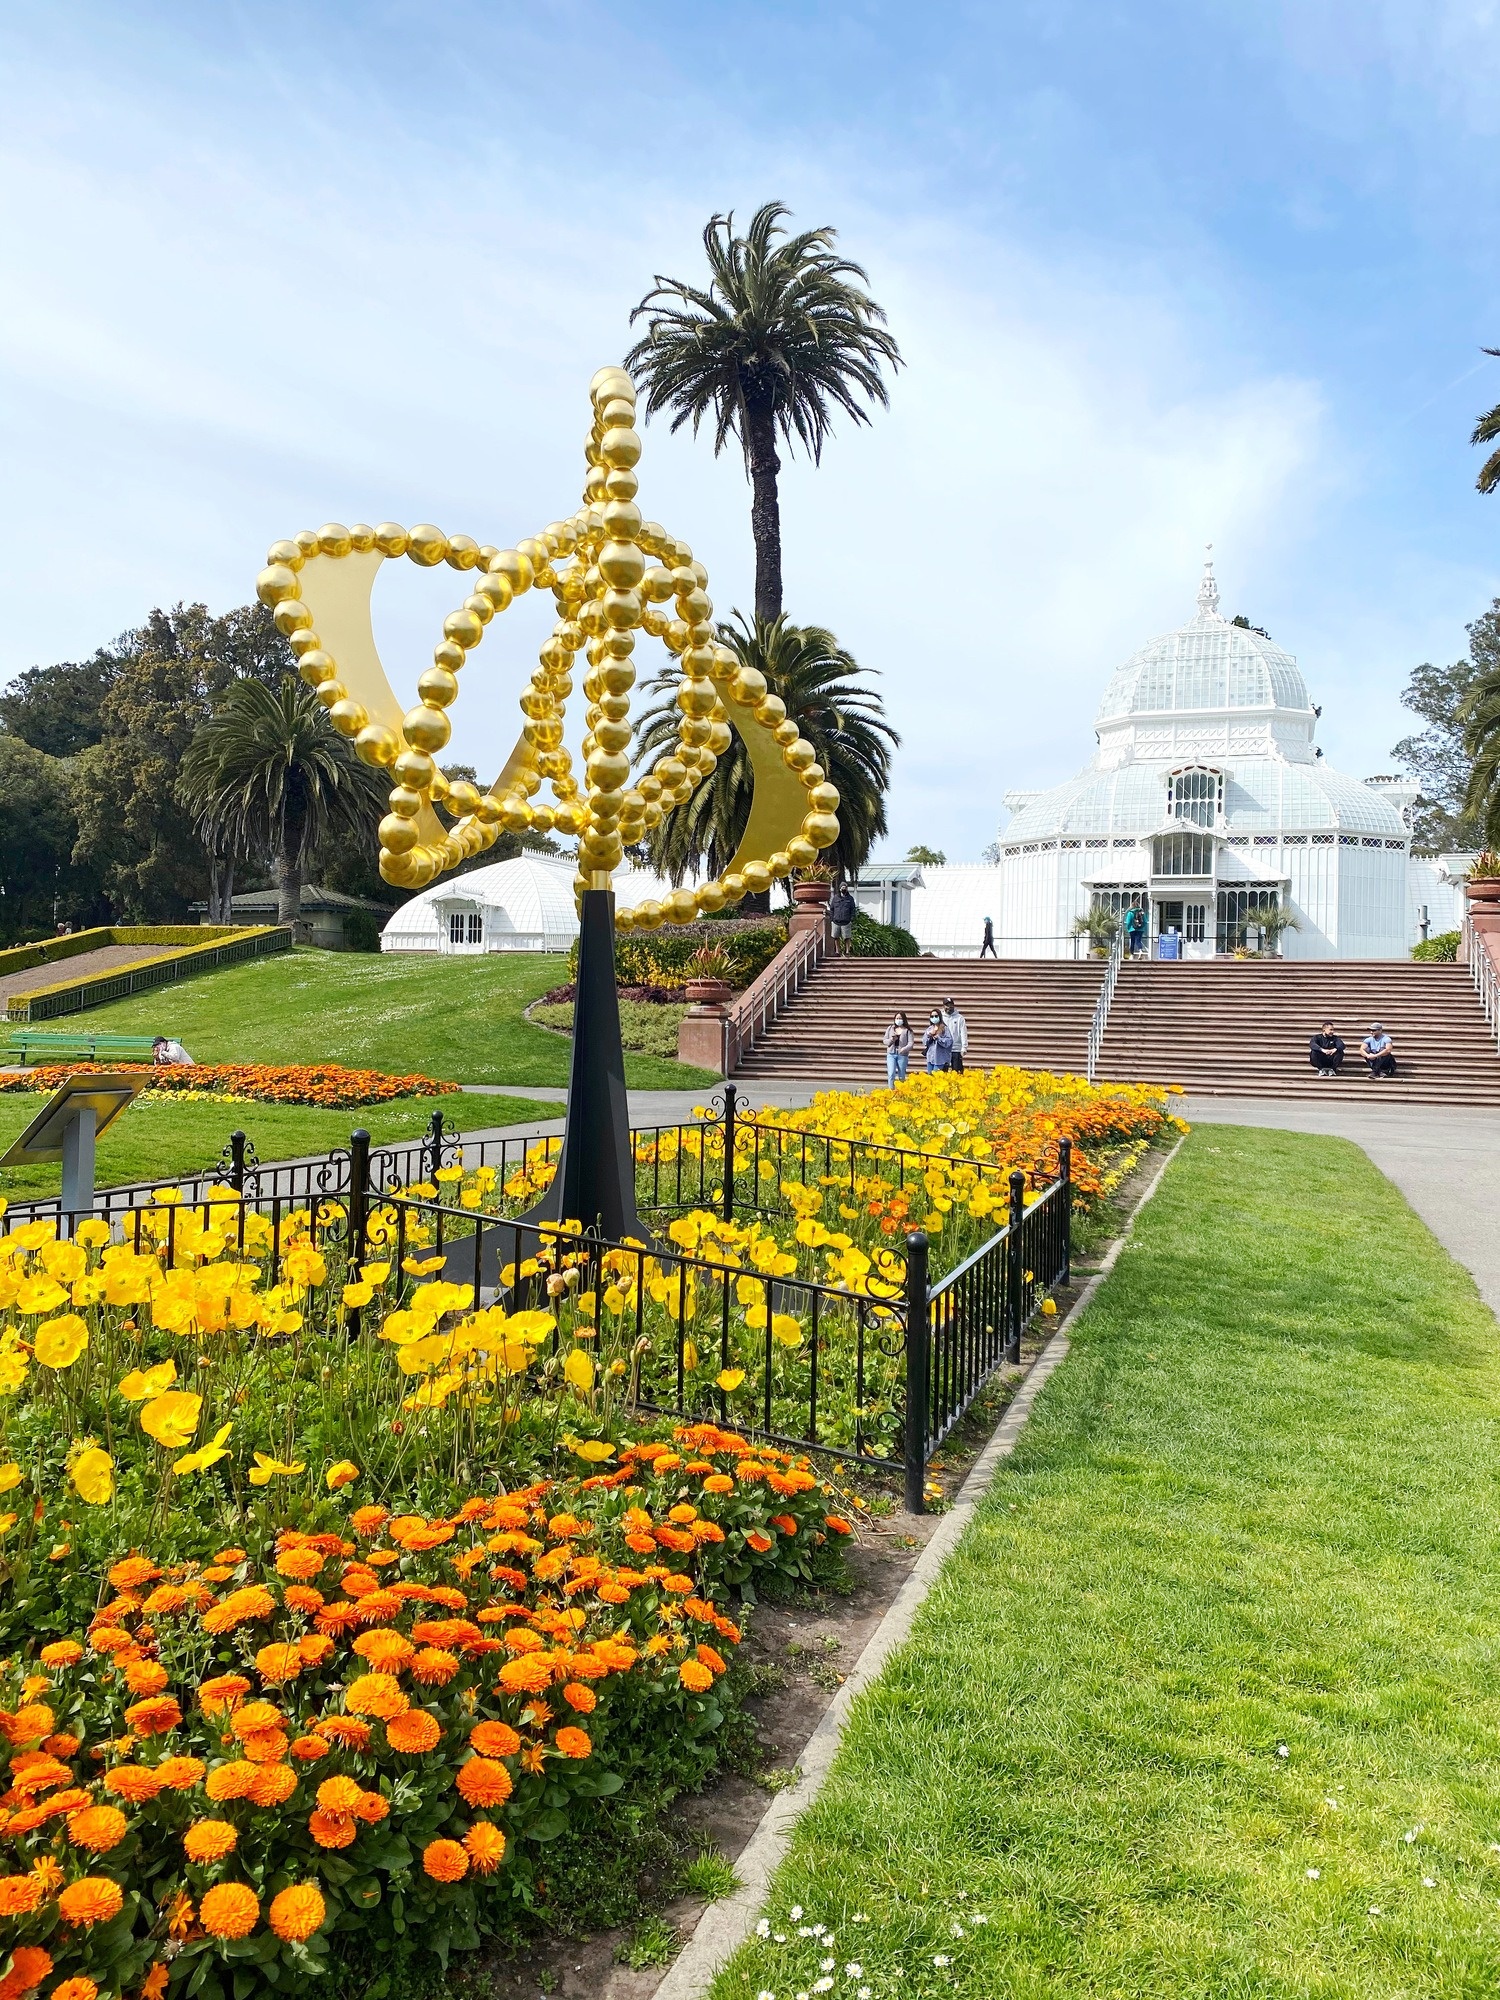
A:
72,996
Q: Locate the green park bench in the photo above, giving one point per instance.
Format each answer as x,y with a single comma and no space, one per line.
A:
28,1045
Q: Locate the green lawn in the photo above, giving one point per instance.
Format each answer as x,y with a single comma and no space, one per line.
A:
156,1138
1208,1701
456,1019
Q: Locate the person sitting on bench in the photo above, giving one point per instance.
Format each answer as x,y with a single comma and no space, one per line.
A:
1325,1051
1379,1051
169,1054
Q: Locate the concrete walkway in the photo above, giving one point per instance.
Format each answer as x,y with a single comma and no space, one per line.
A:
1445,1160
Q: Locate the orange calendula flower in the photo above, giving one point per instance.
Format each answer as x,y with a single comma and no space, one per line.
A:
254,1601
575,1742
19,1895
298,1911
414,1732
483,1782
300,1563
494,1739
433,1666
209,1840
315,1648
372,1808
62,1653
340,1794
229,1910
92,1899
331,1829
278,1663
533,1758
307,1749
154,1716
154,1985
485,1845
145,1676
445,1861
180,1774
29,1966
576,1695
695,1677
272,1785
387,1652
79,1987
369,1521
231,1781
135,1783
346,1729
132,1572
377,1695
98,1828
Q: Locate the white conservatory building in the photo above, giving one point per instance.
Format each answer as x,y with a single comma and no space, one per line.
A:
525,904
1207,804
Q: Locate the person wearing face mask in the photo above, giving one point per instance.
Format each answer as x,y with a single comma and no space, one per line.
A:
937,1043
958,1033
898,1046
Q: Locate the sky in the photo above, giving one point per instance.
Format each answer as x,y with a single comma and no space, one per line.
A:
1162,275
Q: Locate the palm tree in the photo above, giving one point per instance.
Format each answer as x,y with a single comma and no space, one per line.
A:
1480,716
1485,432
845,724
268,773
781,338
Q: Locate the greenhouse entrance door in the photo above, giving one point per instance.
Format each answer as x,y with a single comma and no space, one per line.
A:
1190,921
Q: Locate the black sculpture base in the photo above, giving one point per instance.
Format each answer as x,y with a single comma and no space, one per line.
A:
595,1179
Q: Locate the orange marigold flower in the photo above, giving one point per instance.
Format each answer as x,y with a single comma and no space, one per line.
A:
63,1745
315,1648
154,1716
300,1564
486,1847
533,1758
229,1910
445,1861
346,1729
254,1716
223,1691
298,1911
785,1522
109,1639
281,1662
79,1987
372,1808
230,1781
62,1653
92,1899
483,1782
340,1794
331,1829
19,1895
369,1520
133,1572
494,1739
695,1676
307,1749
272,1785
414,1732
135,1783
715,1662
209,1840
377,1695
266,1746
576,1695
759,1540
433,1667
302,1597
531,1674
180,1774
154,1985
29,1966
642,1544
614,1593
97,1827
254,1601
575,1742
719,1483
386,1651
30,1723
180,1917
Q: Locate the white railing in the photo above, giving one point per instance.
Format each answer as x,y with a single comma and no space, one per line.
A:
1485,974
1101,1005
751,1016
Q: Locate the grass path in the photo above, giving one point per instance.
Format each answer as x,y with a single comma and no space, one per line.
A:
458,1020
1208,1701
156,1138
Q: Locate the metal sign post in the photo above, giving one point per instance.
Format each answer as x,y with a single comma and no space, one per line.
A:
66,1128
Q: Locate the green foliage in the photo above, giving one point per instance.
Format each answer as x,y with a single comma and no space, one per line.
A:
38,826
362,930
664,957
869,939
652,1942
1443,949
645,1026
710,1876
927,857
1437,756
818,681
781,339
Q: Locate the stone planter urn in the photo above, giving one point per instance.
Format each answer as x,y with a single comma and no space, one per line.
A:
708,992
1482,896
811,895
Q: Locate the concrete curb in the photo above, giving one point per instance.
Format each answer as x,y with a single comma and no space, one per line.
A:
725,1925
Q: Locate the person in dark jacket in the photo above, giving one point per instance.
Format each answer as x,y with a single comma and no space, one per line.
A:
841,917
987,949
1325,1051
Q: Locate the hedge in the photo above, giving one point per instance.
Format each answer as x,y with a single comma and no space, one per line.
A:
1443,948
869,939
53,950
660,958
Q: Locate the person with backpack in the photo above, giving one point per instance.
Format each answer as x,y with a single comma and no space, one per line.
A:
937,1043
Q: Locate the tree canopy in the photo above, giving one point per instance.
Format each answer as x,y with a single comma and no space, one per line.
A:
1437,756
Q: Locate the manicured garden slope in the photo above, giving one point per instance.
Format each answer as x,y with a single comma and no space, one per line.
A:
456,1019
156,1139
1207,1703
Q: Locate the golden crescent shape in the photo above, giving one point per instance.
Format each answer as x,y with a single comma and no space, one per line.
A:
337,591
778,802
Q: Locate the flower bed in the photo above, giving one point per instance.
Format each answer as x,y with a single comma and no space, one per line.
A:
372,1726
327,1086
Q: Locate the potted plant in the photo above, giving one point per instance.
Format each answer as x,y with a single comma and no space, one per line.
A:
812,886
1482,883
708,982
1100,926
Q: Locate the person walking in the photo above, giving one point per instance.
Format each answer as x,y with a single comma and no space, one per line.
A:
1325,1051
958,1033
898,1045
1135,929
937,1043
841,917
1379,1051
987,949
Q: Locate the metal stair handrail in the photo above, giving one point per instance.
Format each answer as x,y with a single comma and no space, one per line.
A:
1485,973
767,995
1101,1005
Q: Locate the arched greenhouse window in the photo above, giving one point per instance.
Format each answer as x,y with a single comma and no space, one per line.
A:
1195,796
1182,854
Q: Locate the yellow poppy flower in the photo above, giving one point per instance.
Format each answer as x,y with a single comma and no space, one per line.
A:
59,1342
595,1450
141,1384
40,1295
358,1295
10,1475
172,1418
266,1469
206,1454
342,1474
93,1475
729,1378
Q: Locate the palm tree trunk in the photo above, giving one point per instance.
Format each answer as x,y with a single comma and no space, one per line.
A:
287,867
765,507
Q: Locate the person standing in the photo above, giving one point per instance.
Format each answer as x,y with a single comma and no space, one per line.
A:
898,1043
1325,1051
841,917
937,1043
987,949
1135,928
958,1033
1379,1051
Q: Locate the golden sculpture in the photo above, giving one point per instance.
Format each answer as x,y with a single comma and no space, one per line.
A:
608,571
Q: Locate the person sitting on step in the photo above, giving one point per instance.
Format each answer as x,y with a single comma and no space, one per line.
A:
1325,1051
1379,1051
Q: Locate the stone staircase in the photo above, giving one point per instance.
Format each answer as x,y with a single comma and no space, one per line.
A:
1031,1012
1231,1027
1239,1027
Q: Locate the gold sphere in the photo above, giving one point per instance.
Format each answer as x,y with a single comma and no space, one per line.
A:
780,865
462,552
439,787
304,642
331,692
426,545
618,413
448,656
812,774
620,446
748,687
463,628
787,733
495,589
397,836
624,920
595,487
348,717
734,887
515,568
652,816
822,829
334,539
415,769
720,736
711,897
514,813
361,538
757,877
463,797
614,707
396,869
681,907
541,818
292,615
480,608
404,802
391,538
695,605
317,668
620,483
648,915
616,676
697,698
488,811
675,638
698,661
771,711
275,583
607,771
622,608
286,553
618,645
307,541
622,521
724,664
622,565
649,787
437,687
376,745
610,382
426,728
800,852
612,735
670,773
797,756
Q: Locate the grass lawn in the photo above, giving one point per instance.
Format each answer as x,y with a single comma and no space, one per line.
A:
456,1019
1208,1702
157,1138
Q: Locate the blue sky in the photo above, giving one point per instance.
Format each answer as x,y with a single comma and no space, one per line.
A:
1164,275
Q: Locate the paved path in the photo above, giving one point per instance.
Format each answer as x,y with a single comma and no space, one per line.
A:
1445,1160
108,958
